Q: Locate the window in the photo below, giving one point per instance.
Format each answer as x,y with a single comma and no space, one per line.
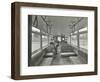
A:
51,38
74,40
83,40
35,42
68,40
44,40
35,39
59,38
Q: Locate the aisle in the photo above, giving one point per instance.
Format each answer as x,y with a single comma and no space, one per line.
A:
59,60
65,56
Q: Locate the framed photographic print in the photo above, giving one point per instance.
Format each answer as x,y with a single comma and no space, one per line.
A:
51,40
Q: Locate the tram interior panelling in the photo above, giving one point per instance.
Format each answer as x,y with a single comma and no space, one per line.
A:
58,40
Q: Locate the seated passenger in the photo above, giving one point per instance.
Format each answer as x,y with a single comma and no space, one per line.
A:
51,47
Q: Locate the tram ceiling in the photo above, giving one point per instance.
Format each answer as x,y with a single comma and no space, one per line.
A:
60,24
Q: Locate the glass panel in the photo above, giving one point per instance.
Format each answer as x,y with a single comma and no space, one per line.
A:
35,42
59,39
44,40
83,39
50,38
74,40
68,40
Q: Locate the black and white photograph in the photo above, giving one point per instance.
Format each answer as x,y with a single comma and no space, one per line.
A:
50,40
57,40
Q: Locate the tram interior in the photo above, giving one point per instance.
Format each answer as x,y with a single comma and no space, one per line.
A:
57,40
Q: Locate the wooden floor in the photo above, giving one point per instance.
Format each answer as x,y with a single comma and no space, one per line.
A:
62,58
60,61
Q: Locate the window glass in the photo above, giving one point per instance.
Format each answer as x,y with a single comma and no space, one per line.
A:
44,40
59,38
68,40
35,42
74,40
83,40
